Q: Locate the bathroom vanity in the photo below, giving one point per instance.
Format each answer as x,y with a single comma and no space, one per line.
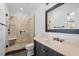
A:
60,18
43,50
44,46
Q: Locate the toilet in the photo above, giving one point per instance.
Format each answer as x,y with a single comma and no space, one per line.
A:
30,49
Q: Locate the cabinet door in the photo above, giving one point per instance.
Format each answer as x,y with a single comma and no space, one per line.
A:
38,49
50,52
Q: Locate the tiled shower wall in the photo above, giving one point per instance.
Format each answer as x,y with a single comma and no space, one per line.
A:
21,28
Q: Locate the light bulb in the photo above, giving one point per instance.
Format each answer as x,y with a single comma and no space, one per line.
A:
21,8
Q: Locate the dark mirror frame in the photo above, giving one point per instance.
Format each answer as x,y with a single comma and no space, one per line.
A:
73,31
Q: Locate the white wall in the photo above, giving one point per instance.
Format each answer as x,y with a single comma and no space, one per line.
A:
40,26
2,29
39,21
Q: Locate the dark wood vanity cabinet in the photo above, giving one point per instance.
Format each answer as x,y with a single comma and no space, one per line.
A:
42,50
38,49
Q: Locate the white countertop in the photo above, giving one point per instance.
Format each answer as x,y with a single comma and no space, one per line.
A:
64,48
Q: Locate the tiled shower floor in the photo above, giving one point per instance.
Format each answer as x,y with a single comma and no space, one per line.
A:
15,47
16,50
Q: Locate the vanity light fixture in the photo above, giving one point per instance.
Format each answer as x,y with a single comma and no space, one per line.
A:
21,8
70,15
73,25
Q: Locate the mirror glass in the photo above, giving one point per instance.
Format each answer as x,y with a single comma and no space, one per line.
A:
63,16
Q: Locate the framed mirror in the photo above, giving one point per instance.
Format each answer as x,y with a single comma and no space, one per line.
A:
62,18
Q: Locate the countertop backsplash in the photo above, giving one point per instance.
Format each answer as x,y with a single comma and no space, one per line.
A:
68,38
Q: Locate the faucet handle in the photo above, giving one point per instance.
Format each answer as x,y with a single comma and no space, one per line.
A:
57,39
61,40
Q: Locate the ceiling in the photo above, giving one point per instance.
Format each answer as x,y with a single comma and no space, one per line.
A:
28,8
